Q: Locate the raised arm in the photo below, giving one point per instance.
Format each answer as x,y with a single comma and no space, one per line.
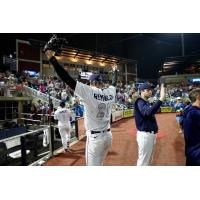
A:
62,73
146,110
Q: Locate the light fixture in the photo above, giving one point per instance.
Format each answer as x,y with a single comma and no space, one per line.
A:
102,64
74,59
58,57
89,62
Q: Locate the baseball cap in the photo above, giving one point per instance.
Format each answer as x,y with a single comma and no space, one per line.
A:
95,77
145,86
178,98
62,103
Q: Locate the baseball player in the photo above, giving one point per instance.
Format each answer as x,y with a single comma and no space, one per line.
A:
191,127
63,115
98,103
146,123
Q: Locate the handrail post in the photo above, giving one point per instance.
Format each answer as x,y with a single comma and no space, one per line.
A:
23,150
76,128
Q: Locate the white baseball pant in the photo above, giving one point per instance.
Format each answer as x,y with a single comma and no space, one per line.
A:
146,141
97,147
65,136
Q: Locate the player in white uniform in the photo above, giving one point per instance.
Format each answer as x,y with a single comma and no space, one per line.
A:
98,105
63,115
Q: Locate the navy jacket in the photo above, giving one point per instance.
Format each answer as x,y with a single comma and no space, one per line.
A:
145,115
191,127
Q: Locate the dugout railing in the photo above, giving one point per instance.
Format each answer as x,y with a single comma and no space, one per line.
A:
32,143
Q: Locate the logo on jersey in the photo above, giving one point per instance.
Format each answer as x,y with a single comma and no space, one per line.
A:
63,111
103,97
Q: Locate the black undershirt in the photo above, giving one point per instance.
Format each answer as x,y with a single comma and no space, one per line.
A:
63,74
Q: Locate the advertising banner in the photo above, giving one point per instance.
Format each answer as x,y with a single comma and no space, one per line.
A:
117,115
166,109
128,113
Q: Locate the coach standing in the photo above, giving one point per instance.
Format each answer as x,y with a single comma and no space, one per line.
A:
146,123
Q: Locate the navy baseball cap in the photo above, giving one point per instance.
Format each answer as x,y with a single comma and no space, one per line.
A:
145,86
62,103
95,77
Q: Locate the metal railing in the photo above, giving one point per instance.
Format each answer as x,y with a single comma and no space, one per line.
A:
39,95
20,150
29,146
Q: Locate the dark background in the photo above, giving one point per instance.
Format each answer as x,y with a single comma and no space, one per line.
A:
149,49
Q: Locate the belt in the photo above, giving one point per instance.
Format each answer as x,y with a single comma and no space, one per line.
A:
151,132
93,132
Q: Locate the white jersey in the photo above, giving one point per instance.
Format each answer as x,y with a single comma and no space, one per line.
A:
97,105
63,116
64,95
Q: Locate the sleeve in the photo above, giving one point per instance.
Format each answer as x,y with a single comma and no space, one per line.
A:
55,116
83,91
113,90
195,117
63,74
146,110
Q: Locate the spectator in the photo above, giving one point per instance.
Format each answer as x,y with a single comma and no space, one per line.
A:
179,105
7,92
64,96
50,106
53,93
39,106
179,108
78,108
42,88
33,111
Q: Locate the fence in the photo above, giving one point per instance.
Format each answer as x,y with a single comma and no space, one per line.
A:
22,149
37,140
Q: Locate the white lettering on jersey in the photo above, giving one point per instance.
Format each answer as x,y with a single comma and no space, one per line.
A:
63,116
103,97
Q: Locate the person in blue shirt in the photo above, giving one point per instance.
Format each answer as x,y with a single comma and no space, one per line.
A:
146,123
191,129
78,108
179,108
179,105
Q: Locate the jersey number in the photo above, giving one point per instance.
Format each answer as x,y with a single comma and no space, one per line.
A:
103,110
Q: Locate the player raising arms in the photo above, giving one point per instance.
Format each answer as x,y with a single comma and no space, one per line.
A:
98,102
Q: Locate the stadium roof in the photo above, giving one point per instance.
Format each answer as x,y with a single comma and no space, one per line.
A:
85,54
95,56
182,64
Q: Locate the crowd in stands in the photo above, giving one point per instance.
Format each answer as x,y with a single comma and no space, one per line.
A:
9,84
53,86
127,95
